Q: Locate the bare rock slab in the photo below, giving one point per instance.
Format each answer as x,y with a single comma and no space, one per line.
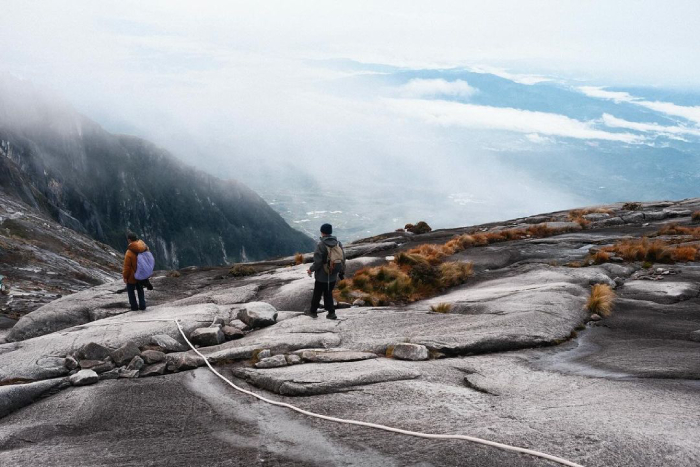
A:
661,291
334,356
258,314
83,378
325,378
414,352
16,396
207,336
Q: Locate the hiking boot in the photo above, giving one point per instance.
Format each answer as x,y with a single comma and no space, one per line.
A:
311,314
331,316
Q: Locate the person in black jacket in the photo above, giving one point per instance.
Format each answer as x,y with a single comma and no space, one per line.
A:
325,279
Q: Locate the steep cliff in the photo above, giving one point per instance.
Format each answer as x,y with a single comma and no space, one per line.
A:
60,162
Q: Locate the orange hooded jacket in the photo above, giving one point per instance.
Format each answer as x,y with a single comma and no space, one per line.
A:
132,252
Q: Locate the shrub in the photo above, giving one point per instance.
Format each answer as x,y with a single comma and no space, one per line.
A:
455,273
425,275
695,217
419,228
601,300
441,308
241,270
298,259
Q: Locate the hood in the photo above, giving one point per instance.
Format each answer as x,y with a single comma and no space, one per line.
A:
137,247
330,241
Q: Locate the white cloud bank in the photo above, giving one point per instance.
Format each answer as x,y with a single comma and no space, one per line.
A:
447,113
437,87
614,122
691,113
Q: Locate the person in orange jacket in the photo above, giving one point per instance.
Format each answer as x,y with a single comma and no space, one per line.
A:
133,286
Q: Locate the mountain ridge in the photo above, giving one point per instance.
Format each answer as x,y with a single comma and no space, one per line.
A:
102,184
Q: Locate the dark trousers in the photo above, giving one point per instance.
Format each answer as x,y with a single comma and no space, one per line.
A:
324,289
130,289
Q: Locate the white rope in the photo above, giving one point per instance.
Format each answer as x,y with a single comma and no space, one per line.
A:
418,434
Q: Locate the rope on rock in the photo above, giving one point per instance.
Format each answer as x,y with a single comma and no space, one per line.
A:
418,434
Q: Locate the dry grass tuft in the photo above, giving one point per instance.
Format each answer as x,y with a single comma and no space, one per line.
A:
241,270
601,300
298,259
441,308
695,216
173,274
684,253
632,206
455,273
601,256
675,229
643,249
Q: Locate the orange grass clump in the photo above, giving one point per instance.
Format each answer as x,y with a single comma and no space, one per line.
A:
601,300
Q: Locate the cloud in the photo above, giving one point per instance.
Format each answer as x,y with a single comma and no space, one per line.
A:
614,122
447,113
520,78
602,93
537,138
691,113
437,87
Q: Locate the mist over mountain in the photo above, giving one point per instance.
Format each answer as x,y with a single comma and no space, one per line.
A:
56,160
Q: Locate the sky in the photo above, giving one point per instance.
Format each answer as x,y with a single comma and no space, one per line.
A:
261,90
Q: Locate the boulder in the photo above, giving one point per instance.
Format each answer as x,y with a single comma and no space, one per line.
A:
111,374
125,373
609,222
124,354
258,314
83,378
96,365
93,351
633,217
188,362
695,336
358,302
152,356
153,370
218,321
207,336
136,363
70,363
167,343
654,215
596,317
272,362
231,333
293,359
405,351
265,353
